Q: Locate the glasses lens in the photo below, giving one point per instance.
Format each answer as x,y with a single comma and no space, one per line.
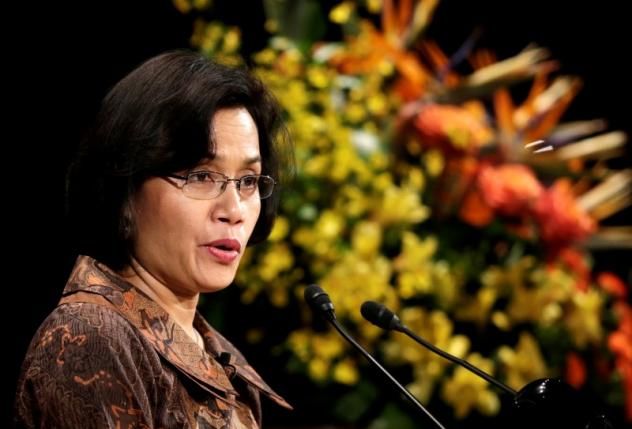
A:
204,185
202,191
266,186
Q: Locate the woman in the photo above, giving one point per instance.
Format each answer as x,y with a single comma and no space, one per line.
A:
179,175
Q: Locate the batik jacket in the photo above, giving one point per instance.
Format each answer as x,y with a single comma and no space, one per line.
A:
110,357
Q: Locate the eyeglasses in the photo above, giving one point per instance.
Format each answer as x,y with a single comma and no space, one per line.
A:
206,185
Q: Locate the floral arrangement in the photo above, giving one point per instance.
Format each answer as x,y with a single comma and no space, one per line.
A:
427,182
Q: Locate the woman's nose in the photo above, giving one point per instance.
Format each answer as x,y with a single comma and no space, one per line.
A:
228,207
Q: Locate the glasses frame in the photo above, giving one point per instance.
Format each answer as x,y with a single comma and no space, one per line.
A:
225,180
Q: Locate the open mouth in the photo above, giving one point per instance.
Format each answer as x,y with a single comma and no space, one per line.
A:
225,250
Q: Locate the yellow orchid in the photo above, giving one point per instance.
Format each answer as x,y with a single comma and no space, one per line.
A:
583,319
466,391
523,364
346,372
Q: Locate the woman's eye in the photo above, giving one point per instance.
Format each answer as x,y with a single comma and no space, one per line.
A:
249,181
200,176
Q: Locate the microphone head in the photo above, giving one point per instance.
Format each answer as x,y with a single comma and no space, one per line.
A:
379,315
319,301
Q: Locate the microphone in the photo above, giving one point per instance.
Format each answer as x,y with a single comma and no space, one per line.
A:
320,303
381,316
544,403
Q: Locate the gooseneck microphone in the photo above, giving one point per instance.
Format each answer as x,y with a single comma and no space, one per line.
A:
545,403
320,303
381,316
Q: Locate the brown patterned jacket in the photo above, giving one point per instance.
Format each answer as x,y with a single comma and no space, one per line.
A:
110,357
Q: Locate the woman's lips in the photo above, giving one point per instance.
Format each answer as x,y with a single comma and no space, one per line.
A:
225,250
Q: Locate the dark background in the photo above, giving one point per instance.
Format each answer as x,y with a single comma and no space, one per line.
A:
62,57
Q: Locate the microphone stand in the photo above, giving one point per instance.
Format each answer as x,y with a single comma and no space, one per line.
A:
371,359
462,362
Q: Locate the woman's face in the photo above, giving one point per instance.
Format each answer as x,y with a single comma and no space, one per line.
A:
191,245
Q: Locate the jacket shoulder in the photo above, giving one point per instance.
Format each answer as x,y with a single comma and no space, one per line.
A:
84,362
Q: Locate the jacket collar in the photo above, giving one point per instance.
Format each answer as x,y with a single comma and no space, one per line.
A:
208,369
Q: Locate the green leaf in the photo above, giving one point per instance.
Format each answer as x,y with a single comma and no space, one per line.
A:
354,405
393,417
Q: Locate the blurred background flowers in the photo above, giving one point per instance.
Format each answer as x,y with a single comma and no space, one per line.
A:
445,185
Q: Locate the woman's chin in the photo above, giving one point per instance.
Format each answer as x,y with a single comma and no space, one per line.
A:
215,284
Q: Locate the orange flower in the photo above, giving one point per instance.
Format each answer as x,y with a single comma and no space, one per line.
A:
575,370
453,186
613,285
510,189
620,341
451,128
621,344
475,211
560,219
374,49
574,260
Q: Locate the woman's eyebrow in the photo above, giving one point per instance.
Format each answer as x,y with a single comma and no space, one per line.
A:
253,160
248,161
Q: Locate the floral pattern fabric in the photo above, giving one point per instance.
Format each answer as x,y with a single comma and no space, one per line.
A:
109,356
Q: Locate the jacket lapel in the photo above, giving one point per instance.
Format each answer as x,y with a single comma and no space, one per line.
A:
166,336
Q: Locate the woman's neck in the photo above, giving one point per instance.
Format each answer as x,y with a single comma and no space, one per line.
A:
179,306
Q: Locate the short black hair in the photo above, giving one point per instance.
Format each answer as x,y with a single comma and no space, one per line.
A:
156,121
